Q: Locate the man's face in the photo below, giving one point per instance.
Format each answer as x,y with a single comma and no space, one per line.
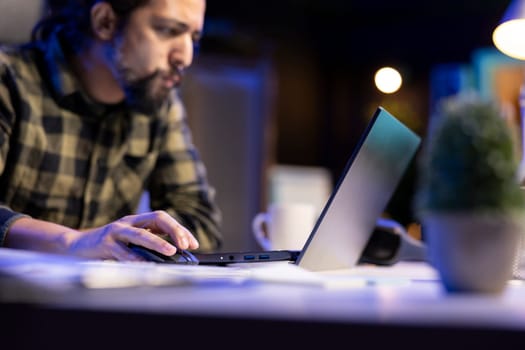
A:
153,49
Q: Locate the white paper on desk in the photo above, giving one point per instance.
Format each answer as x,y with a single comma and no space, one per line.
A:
286,273
118,275
281,272
109,274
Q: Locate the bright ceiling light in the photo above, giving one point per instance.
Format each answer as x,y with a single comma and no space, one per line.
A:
388,80
509,36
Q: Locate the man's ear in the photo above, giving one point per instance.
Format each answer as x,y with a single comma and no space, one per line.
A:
103,21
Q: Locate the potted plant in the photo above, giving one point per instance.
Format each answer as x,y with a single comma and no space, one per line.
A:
468,200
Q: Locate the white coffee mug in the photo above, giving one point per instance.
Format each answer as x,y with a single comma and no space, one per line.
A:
284,226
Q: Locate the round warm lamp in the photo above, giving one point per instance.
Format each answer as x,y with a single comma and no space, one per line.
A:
509,38
509,35
388,80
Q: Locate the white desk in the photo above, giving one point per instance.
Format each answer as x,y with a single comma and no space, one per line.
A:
381,305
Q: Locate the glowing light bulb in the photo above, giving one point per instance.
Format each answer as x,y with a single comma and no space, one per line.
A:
508,38
388,80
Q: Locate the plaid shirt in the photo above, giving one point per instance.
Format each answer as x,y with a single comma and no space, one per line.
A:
69,160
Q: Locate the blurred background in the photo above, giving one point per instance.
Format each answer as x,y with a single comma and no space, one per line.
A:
308,69
281,90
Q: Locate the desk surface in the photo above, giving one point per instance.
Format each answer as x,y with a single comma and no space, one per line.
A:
406,297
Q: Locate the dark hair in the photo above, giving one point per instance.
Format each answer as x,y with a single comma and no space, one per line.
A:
71,20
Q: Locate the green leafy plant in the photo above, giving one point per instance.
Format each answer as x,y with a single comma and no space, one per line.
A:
469,162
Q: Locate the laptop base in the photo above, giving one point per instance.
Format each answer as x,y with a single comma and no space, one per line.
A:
246,257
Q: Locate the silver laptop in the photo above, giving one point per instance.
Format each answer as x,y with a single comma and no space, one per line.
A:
362,193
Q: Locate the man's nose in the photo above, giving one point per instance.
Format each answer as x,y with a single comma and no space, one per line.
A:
181,54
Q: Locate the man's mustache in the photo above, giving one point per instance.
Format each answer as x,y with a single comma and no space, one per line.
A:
138,91
174,74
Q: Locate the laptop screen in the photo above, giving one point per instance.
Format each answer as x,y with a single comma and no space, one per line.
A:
369,180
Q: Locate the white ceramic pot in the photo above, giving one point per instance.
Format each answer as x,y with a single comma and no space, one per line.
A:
473,252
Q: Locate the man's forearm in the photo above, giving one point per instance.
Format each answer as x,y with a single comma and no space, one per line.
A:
33,234
106,242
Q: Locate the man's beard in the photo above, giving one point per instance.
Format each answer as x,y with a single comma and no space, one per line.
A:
143,96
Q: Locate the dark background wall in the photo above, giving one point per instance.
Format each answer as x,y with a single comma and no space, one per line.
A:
325,53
